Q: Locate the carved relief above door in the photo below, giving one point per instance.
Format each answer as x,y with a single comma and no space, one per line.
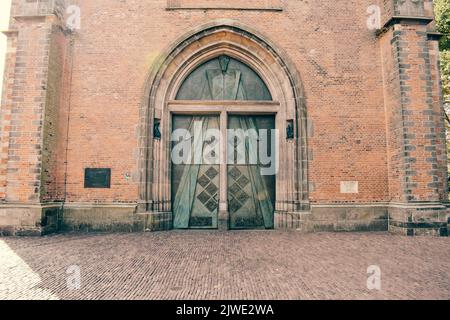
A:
224,78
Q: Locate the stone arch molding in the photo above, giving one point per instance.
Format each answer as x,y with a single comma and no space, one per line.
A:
166,76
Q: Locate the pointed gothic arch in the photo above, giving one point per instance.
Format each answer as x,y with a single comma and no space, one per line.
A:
163,85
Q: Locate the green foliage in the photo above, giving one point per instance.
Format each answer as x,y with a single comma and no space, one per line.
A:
445,71
442,11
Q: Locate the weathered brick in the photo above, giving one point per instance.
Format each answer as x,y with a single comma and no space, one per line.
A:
74,100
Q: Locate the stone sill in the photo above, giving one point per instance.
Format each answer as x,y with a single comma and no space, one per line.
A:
398,19
10,33
255,5
32,17
223,8
432,35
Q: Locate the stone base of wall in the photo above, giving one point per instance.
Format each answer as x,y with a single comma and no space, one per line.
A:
419,220
289,220
29,220
157,221
335,218
101,218
408,220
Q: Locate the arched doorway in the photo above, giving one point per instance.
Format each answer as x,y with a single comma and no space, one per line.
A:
211,105
226,76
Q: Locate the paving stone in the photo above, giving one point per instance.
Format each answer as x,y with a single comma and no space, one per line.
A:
224,265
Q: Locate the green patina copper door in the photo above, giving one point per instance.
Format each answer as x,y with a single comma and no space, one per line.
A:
245,195
195,182
251,189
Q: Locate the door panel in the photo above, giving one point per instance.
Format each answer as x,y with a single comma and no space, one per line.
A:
195,186
251,194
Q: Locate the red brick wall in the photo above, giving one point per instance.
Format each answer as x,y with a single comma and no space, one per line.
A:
416,137
394,129
56,102
31,103
28,97
6,116
355,118
339,62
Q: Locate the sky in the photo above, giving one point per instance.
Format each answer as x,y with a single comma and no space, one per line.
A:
4,19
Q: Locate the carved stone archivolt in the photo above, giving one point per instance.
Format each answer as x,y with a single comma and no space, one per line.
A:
226,44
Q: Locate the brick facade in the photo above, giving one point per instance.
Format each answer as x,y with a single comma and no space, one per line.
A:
367,105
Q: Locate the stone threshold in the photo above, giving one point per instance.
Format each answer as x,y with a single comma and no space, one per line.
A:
173,8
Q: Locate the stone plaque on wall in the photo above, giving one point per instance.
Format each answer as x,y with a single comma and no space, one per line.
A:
229,4
349,187
97,178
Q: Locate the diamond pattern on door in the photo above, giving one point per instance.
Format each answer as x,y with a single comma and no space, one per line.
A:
234,205
243,181
203,181
212,173
235,173
250,194
204,197
238,197
195,185
212,189
212,205
208,197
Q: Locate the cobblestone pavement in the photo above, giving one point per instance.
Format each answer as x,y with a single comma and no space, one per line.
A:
224,265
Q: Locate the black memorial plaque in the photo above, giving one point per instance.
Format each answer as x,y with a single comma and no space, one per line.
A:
97,178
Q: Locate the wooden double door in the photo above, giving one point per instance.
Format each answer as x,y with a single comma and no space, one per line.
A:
197,185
